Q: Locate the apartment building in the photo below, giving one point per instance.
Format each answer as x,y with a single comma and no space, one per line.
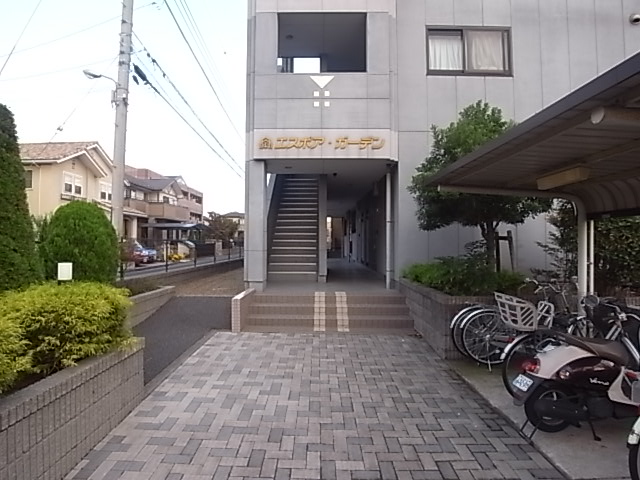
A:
60,172
341,97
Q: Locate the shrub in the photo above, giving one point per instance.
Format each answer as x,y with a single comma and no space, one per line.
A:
81,233
63,324
18,259
468,275
13,356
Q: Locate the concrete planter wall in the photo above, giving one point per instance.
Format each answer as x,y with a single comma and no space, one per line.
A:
431,312
48,427
240,305
145,304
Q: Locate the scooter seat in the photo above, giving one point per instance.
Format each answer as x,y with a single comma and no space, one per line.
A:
607,349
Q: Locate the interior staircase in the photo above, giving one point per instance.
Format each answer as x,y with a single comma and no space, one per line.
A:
329,312
293,252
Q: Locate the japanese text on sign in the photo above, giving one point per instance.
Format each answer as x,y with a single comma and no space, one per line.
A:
310,143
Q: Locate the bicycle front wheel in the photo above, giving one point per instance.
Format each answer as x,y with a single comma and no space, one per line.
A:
484,336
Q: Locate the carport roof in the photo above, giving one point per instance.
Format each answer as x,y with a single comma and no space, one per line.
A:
563,137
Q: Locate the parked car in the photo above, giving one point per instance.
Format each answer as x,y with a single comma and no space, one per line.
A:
142,254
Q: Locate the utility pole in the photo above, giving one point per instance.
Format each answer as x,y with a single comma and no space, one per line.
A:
121,101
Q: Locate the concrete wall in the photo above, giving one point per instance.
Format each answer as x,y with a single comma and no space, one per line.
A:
48,427
145,304
557,45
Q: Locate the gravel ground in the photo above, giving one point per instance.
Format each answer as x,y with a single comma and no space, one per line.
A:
227,284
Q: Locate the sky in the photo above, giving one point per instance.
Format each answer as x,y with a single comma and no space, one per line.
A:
52,100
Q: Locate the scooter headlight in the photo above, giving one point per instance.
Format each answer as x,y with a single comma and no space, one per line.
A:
564,373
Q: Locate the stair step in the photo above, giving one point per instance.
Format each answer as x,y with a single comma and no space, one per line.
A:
293,276
293,268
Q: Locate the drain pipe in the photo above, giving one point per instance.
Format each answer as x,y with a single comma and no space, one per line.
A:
389,231
581,213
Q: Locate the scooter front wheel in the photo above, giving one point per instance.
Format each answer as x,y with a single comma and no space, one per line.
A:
546,391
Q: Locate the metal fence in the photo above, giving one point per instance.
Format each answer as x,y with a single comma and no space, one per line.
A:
141,256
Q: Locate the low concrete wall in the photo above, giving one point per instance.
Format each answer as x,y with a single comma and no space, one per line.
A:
48,427
145,304
240,305
174,276
431,312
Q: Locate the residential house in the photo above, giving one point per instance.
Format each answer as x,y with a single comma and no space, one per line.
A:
237,217
155,207
59,172
173,208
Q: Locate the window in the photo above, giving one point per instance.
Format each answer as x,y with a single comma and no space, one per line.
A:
471,51
105,192
28,178
313,42
72,184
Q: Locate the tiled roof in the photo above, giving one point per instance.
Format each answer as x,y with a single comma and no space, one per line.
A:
155,184
234,215
53,150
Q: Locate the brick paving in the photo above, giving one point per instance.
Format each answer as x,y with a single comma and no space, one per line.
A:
284,406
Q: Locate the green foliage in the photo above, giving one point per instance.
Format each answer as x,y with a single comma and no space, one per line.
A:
617,249
477,124
469,276
62,324
219,227
14,359
18,261
81,233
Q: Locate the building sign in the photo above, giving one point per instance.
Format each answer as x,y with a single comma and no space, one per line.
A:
311,143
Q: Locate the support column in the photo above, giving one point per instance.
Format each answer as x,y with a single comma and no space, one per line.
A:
592,252
134,228
388,233
322,229
255,262
582,250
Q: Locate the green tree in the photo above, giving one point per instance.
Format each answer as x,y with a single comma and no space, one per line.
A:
18,259
81,233
220,227
477,124
617,249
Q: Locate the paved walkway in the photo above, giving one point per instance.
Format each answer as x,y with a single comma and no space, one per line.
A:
313,406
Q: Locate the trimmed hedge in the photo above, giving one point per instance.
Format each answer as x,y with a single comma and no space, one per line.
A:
14,359
63,324
463,276
81,233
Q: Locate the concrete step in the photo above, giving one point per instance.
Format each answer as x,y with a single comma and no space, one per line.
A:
293,267
297,221
292,276
377,309
277,309
284,321
389,321
293,258
291,229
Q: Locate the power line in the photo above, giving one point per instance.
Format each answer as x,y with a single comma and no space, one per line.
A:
19,37
204,49
60,128
44,74
199,64
166,77
192,128
48,42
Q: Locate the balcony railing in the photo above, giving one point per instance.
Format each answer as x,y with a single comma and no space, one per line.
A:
168,211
